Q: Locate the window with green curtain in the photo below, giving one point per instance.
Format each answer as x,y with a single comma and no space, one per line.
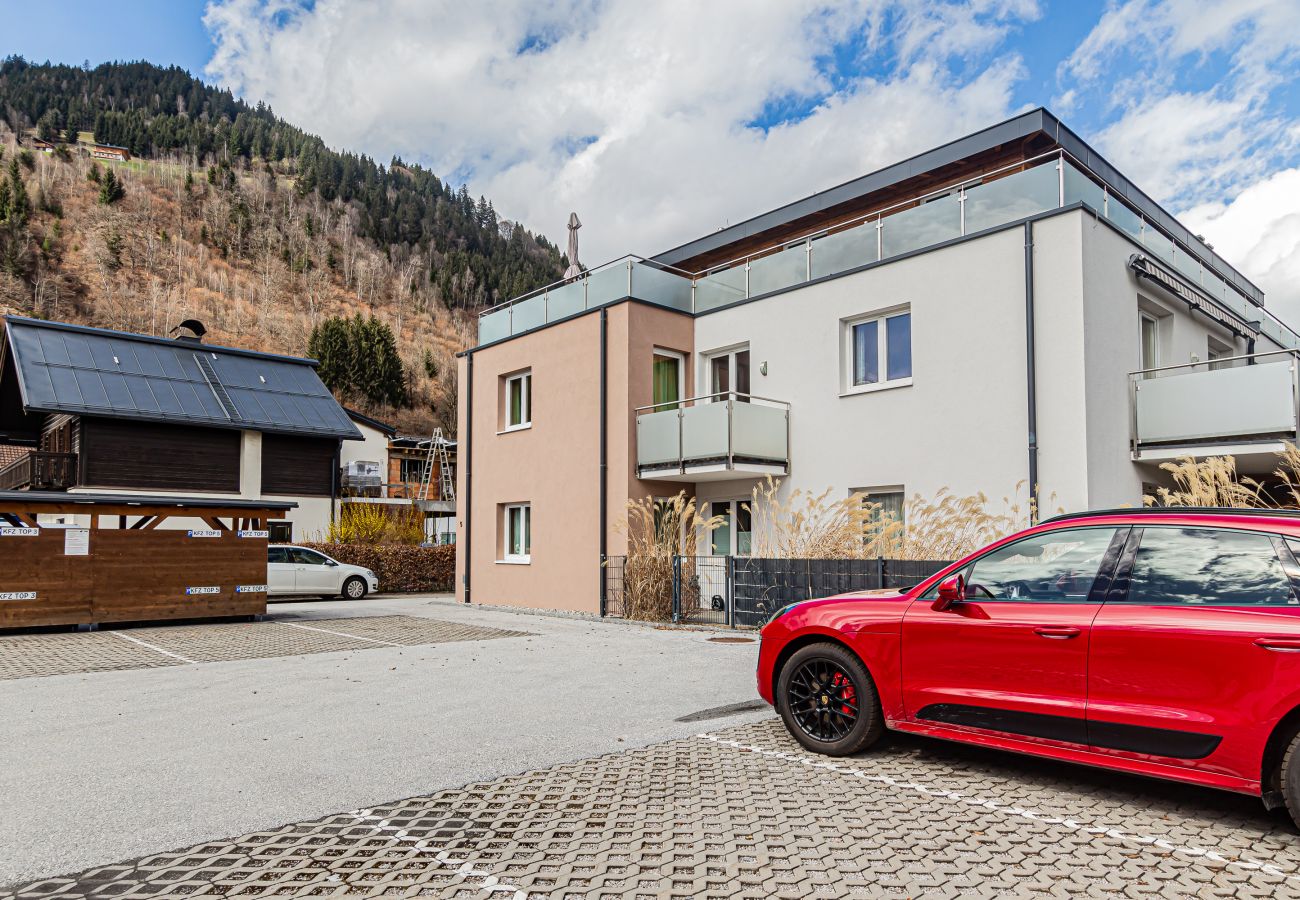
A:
667,382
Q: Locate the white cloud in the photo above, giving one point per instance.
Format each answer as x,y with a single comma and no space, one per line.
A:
1222,152
634,114
1259,231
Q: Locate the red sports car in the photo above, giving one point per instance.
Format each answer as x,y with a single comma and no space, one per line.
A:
1161,642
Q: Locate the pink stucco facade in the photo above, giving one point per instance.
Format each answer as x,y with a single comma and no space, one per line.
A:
553,464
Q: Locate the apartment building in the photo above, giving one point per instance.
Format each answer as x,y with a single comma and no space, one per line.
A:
1003,311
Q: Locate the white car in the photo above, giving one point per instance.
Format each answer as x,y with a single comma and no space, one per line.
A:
298,570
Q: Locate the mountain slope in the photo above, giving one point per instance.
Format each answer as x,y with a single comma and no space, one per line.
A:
233,216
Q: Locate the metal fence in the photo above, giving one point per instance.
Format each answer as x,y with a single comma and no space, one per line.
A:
762,586
744,591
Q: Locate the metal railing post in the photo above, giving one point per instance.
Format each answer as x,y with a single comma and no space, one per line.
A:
604,584
808,260
629,278
677,589
880,571
731,449
729,596
1060,181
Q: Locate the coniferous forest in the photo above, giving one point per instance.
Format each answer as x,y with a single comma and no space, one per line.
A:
229,212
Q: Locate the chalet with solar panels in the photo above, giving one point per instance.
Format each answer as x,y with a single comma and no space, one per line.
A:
88,410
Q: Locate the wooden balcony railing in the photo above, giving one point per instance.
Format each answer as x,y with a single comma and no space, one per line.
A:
39,470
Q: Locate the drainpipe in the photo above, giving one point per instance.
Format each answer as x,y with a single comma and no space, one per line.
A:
469,467
604,448
334,480
1030,374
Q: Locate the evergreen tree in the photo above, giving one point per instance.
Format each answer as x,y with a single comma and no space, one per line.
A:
110,188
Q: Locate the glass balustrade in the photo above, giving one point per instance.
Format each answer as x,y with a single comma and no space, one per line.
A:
921,226
778,270
1003,199
844,250
720,288
1010,197
566,300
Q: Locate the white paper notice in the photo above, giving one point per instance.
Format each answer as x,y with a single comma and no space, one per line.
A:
76,542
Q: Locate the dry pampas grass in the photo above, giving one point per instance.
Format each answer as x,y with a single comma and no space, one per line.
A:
817,526
1215,482
658,530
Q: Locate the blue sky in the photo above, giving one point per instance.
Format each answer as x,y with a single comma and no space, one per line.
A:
658,126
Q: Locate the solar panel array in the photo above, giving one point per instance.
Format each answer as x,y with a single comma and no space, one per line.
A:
95,372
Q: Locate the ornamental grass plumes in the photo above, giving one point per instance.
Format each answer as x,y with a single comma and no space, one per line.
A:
1209,482
658,530
816,526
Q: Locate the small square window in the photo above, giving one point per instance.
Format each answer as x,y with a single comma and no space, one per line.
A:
519,400
879,350
518,544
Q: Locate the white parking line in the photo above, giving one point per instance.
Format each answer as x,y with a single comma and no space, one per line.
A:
355,637
491,884
136,640
1117,834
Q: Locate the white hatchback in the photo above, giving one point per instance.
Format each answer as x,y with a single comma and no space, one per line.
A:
298,570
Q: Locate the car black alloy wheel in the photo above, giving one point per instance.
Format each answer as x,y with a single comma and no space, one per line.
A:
823,700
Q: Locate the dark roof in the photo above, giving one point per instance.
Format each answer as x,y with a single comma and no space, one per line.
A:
373,423
38,498
96,372
1022,126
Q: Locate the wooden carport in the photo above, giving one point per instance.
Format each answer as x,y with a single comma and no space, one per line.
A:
124,567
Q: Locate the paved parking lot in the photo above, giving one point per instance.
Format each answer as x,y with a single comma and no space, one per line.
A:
743,812
65,653
646,772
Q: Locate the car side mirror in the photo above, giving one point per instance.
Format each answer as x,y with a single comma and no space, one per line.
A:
331,563
951,591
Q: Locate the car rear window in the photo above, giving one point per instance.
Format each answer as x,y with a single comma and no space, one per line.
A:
277,555
1208,567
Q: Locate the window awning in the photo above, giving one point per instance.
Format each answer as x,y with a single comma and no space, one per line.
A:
1146,268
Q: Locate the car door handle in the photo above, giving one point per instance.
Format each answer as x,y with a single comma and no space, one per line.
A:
1279,645
1057,632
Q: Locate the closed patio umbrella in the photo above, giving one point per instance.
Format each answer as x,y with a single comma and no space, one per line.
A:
574,269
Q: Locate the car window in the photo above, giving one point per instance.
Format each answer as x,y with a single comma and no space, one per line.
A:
1208,567
308,557
277,555
1054,567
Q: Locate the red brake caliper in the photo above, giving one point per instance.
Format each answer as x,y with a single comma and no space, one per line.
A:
847,692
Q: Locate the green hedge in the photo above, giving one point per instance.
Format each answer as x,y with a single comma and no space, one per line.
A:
400,567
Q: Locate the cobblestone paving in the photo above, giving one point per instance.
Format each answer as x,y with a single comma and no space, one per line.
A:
744,812
27,656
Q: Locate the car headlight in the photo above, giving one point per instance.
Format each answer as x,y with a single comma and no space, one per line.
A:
782,611
370,574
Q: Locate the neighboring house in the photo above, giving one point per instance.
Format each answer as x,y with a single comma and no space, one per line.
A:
365,462
42,145
1004,311
110,151
107,411
388,469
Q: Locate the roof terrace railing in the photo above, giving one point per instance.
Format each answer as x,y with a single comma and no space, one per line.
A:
994,198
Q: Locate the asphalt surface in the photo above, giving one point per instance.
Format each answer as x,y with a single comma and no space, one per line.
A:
110,765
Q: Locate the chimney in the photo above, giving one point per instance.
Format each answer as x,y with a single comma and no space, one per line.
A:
191,331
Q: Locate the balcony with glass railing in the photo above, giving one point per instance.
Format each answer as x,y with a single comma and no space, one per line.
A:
713,438
994,199
1244,406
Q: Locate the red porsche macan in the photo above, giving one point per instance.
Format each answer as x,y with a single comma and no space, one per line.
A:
1162,642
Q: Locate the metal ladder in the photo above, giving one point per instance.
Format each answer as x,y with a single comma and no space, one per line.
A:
446,480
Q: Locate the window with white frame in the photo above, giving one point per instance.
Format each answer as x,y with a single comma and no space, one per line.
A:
878,350
518,400
518,538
